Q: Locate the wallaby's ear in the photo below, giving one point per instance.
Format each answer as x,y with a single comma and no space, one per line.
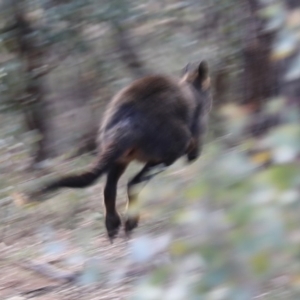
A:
203,70
203,75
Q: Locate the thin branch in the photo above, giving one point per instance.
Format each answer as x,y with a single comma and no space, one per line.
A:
9,28
49,271
40,291
128,53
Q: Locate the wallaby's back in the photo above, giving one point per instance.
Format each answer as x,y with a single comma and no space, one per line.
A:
156,111
151,96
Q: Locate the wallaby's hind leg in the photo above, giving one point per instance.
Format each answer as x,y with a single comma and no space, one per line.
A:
132,209
112,218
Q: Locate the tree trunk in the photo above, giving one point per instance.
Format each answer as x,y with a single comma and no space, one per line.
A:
128,53
34,106
266,77
260,76
36,115
290,85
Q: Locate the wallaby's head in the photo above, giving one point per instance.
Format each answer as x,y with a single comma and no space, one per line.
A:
197,75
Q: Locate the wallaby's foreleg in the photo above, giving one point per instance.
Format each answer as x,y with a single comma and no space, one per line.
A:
112,218
132,209
198,131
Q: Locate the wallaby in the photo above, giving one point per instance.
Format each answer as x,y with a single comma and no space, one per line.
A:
155,120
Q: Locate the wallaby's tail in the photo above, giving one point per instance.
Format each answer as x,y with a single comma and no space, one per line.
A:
106,158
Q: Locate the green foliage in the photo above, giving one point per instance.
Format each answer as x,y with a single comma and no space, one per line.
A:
236,216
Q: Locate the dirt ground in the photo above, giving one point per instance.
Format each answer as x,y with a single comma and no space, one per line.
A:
67,233
24,240
19,283
75,238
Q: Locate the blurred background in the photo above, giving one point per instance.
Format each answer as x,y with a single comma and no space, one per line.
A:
225,227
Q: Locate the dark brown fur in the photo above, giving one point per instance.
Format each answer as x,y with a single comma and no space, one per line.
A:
155,120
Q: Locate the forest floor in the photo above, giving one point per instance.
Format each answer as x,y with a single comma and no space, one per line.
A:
67,233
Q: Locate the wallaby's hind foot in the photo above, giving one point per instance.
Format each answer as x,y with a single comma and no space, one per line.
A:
112,223
130,224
